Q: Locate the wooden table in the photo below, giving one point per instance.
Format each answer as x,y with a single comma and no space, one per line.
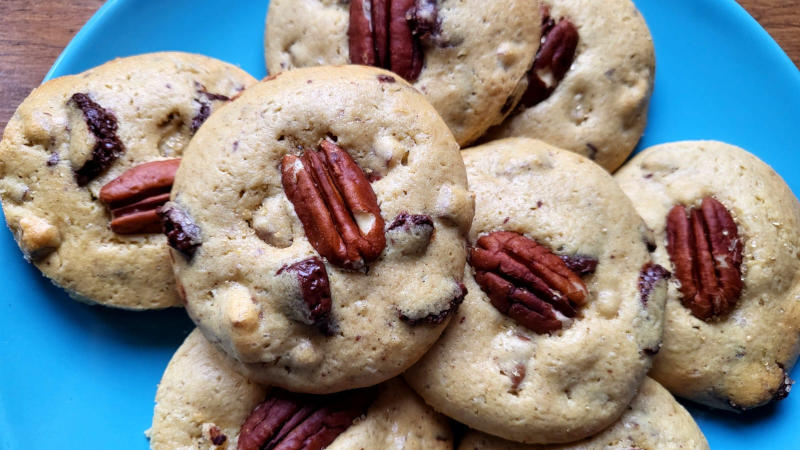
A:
33,33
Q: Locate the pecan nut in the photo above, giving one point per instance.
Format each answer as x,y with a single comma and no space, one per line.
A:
290,421
107,148
182,233
336,205
706,252
388,34
526,281
553,59
315,289
135,196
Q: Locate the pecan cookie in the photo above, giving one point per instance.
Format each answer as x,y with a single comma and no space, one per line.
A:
728,227
87,159
653,420
203,403
318,227
564,307
590,85
469,58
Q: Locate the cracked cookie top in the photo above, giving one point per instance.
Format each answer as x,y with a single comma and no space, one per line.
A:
76,134
326,210
653,420
468,58
203,403
599,106
563,312
736,352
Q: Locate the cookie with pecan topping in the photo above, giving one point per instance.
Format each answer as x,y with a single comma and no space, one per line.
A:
469,58
728,227
203,403
653,420
87,160
563,310
590,86
330,210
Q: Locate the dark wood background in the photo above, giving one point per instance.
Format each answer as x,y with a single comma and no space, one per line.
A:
33,33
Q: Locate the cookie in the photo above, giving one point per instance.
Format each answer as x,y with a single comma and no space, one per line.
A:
76,135
564,306
469,58
732,317
592,100
653,420
318,225
203,403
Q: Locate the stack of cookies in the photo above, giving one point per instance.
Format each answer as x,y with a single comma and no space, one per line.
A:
360,281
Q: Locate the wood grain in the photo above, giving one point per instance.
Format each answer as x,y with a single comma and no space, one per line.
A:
33,33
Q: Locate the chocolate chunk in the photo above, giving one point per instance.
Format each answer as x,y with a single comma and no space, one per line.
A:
202,115
424,19
582,265
53,160
652,351
182,233
205,106
386,79
107,148
438,318
315,289
592,151
785,387
406,220
649,276
217,436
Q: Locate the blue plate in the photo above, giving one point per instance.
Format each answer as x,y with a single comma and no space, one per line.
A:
77,376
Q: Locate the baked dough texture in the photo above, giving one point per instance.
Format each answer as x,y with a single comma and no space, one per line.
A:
653,420
230,184
599,109
494,375
475,64
741,360
200,392
62,227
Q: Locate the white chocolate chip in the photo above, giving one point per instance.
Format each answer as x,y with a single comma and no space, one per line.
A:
240,311
38,236
305,354
455,204
273,223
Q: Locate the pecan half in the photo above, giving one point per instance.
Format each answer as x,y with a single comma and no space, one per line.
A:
134,196
553,59
182,233
526,281
290,421
706,252
336,205
315,290
107,147
389,33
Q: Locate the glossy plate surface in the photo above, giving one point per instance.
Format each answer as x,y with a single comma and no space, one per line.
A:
77,376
